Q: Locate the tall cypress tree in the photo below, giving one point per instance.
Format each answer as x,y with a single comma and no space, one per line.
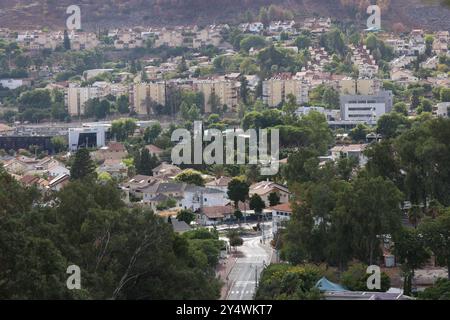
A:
67,45
83,166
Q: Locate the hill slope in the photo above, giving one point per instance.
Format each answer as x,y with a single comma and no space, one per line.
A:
429,14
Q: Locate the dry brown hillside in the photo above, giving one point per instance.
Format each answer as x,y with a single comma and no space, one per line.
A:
429,14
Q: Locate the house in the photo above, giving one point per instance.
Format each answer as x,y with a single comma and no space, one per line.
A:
113,151
160,199
403,76
116,168
154,150
179,226
352,150
169,189
59,182
5,130
280,214
20,165
219,183
265,188
210,216
133,187
430,63
442,109
196,197
166,170
51,167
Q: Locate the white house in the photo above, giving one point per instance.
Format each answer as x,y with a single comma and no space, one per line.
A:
280,214
199,197
352,150
11,84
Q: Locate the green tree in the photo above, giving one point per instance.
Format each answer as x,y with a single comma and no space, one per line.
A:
257,204
401,108
274,199
191,176
436,234
330,98
287,282
186,215
59,144
355,278
445,95
392,124
410,250
359,133
152,133
237,191
303,42
123,105
83,166
439,291
66,44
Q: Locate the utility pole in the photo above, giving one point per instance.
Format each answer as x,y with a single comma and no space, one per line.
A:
256,276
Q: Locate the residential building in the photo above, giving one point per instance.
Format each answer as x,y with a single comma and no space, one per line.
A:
441,43
365,108
114,167
442,109
403,77
350,86
166,170
128,39
154,150
144,94
265,188
226,90
195,198
280,215
77,98
355,151
219,183
59,182
277,89
11,84
113,151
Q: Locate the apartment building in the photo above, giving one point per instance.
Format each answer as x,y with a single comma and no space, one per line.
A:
349,86
128,39
276,89
83,40
77,98
366,108
226,90
145,93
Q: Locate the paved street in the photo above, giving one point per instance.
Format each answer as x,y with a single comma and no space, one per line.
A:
248,267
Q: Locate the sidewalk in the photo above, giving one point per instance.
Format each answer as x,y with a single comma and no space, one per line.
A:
223,270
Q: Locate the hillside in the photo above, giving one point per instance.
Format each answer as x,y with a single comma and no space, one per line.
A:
429,14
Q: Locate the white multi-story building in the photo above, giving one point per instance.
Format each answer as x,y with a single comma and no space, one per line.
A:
366,108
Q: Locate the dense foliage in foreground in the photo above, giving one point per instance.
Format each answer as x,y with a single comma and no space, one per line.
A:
122,253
